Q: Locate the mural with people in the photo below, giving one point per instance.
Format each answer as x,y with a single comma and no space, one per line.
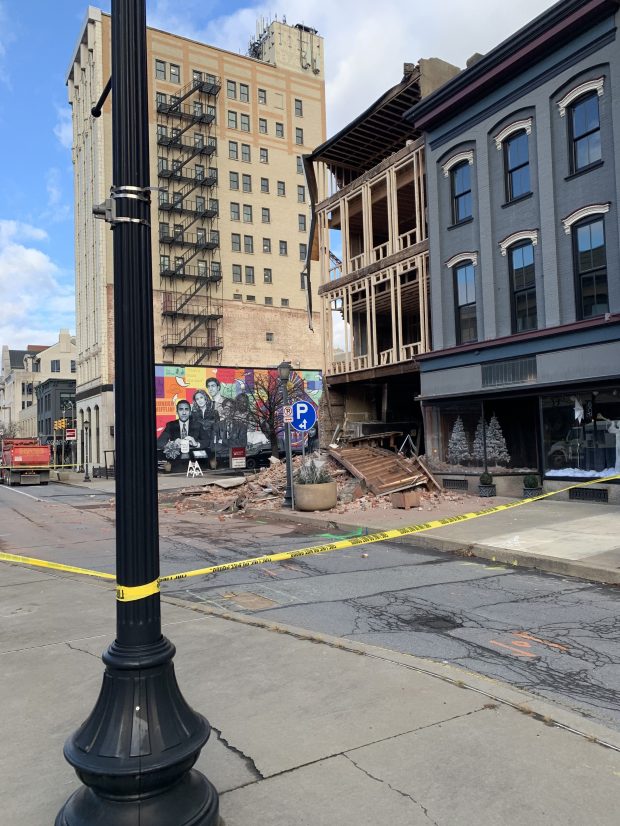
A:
205,412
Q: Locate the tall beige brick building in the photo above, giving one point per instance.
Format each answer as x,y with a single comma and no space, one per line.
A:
230,221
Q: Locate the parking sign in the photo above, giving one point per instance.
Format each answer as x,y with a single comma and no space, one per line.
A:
304,416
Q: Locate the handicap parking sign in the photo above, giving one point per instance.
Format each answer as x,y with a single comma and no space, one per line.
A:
304,416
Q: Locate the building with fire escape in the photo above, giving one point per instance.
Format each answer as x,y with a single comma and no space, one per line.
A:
370,242
230,216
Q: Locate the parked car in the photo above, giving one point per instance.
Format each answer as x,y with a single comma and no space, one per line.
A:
570,451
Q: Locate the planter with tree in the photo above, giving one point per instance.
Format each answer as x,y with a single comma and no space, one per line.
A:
486,486
313,488
531,486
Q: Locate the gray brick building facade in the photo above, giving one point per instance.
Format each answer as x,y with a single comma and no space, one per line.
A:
522,177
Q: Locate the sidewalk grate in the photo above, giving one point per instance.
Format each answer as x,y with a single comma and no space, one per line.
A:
456,484
589,494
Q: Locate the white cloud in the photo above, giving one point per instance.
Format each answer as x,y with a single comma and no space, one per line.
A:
56,211
37,296
63,129
366,43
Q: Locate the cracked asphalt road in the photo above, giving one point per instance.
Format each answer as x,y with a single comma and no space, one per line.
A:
556,637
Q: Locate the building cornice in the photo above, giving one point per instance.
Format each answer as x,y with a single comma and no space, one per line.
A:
583,212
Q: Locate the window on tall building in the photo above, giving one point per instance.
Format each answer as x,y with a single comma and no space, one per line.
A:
283,248
299,136
160,98
585,132
465,302
268,275
303,283
233,150
244,92
262,96
235,213
249,275
160,70
199,140
248,243
281,188
162,164
55,365
460,177
246,183
231,89
175,73
262,126
301,194
265,215
162,131
279,130
590,259
245,123
232,119
164,262
268,300
73,366
233,178
299,107
237,296
266,244
284,302
199,172
264,185
236,273
517,166
245,152
300,165
303,251
235,239
264,155
247,213
301,222
523,287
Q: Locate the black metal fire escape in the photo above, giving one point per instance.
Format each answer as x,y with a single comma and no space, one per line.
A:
189,240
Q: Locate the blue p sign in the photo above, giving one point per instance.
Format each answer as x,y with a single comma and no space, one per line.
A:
304,416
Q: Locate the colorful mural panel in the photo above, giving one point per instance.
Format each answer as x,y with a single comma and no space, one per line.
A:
204,412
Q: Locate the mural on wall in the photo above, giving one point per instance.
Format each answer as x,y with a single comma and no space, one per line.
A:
204,412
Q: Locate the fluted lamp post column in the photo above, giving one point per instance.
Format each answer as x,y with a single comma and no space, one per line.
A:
135,752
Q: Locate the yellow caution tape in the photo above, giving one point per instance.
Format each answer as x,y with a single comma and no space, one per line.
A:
125,593
130,593
56,566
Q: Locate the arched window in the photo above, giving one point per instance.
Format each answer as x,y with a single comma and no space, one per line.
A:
97,455
590,265
522,287
585,132
516,165
465,302
460,178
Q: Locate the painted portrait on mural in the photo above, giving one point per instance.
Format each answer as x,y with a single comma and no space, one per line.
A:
204,412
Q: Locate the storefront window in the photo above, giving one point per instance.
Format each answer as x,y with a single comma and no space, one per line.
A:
457,442
581,434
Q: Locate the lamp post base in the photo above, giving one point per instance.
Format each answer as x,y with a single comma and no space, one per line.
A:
192,801
135,752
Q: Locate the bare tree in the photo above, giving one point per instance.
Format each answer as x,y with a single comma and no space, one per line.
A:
9,431
268,399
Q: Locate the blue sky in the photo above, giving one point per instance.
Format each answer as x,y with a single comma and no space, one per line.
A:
365,45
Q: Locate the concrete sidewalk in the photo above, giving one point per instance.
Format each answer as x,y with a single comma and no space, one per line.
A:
307,728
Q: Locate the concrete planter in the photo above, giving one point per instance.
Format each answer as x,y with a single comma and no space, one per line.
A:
321,497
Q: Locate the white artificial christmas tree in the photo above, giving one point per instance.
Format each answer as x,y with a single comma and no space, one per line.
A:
458,447
497,452
478,446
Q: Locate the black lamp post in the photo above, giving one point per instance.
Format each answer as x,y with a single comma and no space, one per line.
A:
86,435
136,750
284,373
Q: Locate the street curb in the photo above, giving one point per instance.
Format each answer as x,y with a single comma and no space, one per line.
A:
514,558
548,712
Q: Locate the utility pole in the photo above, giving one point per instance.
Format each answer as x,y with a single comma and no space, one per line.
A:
136,750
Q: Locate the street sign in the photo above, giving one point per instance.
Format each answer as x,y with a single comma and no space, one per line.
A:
71,434
288,413
304,416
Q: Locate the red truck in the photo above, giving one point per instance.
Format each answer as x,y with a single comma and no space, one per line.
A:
24,462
